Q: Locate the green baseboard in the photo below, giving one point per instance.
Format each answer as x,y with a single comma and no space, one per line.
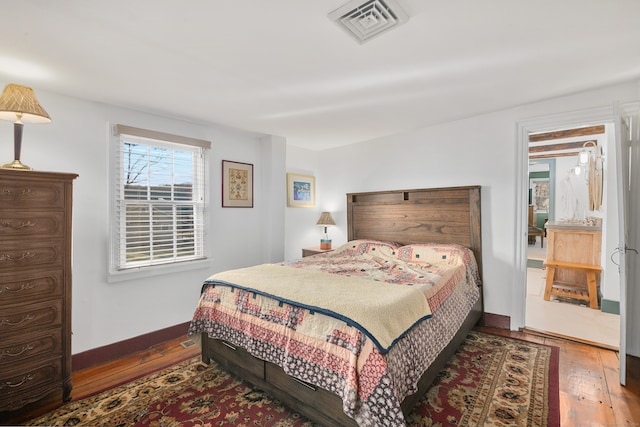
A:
534,263
608,306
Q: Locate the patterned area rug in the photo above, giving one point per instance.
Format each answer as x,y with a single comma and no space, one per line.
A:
491,381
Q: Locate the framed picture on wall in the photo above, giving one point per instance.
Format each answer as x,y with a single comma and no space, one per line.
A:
237,184
301,191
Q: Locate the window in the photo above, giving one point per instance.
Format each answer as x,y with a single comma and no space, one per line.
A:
158,199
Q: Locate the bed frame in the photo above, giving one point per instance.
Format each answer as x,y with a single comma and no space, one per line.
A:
439,215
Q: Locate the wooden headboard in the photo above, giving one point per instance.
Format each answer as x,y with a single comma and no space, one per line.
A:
431,215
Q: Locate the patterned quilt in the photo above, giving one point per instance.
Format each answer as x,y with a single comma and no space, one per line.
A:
384,312
328,351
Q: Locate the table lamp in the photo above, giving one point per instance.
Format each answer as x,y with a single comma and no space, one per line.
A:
19,105
325,220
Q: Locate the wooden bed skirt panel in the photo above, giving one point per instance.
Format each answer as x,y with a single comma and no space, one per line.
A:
316,403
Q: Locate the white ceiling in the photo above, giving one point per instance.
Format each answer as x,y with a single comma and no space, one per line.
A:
282,67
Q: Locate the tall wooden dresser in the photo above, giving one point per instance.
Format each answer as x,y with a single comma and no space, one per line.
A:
35,287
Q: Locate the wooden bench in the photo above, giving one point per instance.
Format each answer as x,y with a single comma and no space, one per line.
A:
572,290
533,232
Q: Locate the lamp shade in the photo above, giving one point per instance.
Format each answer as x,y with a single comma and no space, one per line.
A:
325,219
19,104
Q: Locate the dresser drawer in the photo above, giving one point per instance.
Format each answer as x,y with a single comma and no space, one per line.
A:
21,254
23,318
30,285
29,382
229,355
21,224
36,346
18,194
303,391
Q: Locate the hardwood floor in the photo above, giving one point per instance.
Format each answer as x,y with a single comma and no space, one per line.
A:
590,394
98,378
590,391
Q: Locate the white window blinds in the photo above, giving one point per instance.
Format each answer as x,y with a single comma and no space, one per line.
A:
158,198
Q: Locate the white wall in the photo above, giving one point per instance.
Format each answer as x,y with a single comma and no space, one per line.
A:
474,151
301,231
77,141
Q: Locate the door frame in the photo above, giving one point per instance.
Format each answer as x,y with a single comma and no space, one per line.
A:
524,128
628,115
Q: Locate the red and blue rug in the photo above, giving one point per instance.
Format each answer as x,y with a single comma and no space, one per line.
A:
490,381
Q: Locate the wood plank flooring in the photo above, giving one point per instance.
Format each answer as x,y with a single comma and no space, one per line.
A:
590,394
590,391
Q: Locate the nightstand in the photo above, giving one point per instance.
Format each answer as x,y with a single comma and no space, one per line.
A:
314,251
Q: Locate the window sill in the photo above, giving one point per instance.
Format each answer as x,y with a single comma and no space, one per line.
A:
156,270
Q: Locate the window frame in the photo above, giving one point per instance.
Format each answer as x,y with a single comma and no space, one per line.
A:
120,135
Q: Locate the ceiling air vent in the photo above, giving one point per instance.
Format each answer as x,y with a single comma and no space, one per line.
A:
367,19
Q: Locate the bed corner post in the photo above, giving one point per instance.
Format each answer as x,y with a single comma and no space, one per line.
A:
475,221
204,348
350,231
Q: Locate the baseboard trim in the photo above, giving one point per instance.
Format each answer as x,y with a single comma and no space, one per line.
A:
534,263
496,321
633,368
554,335
122,348
609,306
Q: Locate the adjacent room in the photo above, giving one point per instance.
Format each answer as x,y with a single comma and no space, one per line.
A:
572,217
450,187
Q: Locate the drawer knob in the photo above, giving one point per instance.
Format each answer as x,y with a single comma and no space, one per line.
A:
232,347
24,348
24,287
25,255
25,379
23,224
306,384
7,191
24,319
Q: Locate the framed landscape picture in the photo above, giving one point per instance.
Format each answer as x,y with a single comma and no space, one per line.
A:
301,191
237,184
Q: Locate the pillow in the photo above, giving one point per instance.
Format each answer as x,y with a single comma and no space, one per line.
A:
365,246
433,253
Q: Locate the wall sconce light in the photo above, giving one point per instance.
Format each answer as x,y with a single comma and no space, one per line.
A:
593,164
19,105
585,155
325,220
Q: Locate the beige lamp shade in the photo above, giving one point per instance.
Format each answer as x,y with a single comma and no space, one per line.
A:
19,103
325,219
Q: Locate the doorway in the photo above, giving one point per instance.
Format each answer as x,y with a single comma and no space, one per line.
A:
561,179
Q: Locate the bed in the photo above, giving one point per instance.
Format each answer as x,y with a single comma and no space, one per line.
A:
332,360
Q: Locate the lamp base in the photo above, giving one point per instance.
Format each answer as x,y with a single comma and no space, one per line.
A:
325,244
16,164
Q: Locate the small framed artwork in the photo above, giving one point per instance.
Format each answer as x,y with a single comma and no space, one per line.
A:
237,184
301,191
